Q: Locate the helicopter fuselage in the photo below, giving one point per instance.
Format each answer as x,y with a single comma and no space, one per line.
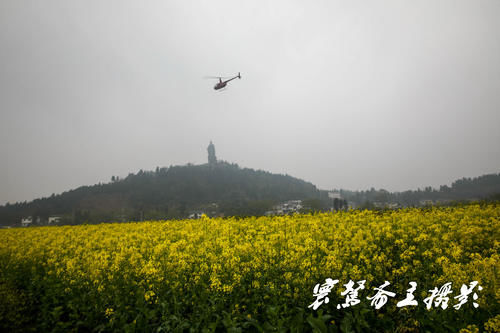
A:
221,84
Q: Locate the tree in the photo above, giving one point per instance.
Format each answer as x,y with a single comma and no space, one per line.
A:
336,204
312,205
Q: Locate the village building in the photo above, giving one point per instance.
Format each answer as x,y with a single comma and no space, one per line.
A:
26,221
53,220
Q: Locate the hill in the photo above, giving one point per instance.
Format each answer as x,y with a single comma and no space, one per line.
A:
218,188
465,189
221,189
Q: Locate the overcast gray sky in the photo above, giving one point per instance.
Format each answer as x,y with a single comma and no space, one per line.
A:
344,94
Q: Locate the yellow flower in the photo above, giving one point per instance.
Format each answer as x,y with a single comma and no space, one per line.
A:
109,312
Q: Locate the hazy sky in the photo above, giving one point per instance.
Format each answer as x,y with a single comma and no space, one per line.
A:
344,94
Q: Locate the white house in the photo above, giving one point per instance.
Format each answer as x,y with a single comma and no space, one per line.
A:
26,221
288,207
196,215
54,219
334,195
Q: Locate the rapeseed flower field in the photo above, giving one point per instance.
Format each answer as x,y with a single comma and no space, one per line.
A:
257,273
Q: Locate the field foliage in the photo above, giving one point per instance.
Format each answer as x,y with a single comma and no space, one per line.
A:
252,274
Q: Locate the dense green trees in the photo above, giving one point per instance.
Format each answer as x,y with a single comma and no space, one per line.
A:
479,188
168,193
220,188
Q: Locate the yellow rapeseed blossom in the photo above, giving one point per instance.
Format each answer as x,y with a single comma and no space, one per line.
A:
259,259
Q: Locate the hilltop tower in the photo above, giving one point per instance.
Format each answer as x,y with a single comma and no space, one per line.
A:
212,160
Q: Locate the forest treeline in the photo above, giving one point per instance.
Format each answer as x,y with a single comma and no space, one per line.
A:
167,193
222,189
466,189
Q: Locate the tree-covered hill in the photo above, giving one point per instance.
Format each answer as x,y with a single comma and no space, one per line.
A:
220,189
465,189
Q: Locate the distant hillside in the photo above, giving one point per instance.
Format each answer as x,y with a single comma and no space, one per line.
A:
465,189
174,192
220,188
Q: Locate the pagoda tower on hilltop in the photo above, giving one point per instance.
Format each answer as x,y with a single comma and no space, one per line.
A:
212,160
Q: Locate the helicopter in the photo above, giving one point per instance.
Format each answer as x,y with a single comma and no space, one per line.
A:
222,84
